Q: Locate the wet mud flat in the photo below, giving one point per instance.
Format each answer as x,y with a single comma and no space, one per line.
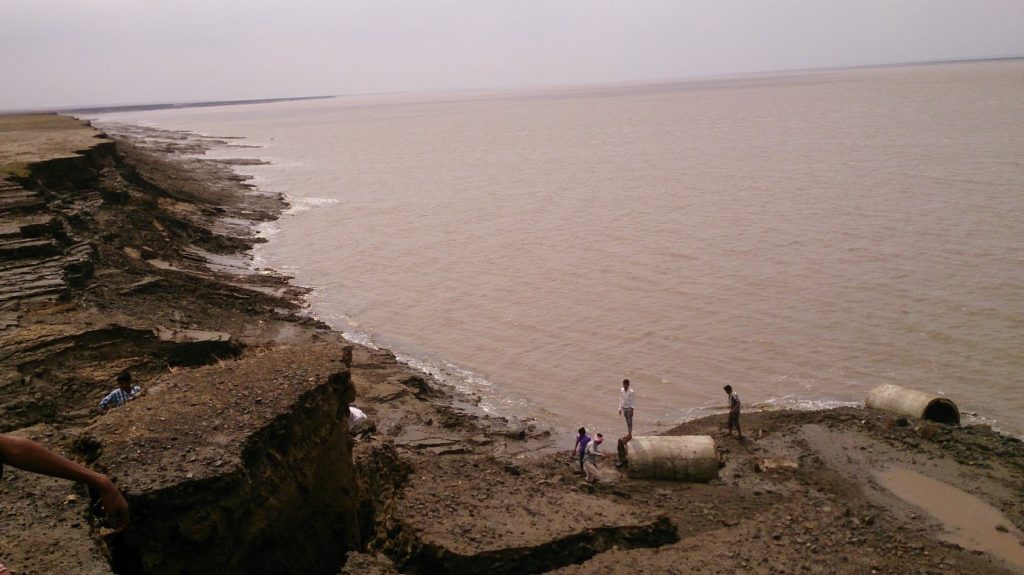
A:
236,461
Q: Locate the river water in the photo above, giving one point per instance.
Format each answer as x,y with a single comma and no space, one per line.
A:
802,237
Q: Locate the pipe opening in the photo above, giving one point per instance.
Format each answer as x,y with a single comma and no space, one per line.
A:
942,411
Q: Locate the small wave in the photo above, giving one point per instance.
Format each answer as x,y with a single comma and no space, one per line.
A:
257,261
360,338
464,381
298,205
971,418
472,384
267,230
804,404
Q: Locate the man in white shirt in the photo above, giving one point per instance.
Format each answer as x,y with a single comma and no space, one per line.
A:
627,400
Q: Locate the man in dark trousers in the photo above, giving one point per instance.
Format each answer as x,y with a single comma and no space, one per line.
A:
734,411
627,401
581,444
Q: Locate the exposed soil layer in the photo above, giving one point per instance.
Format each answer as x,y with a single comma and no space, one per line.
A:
237,458
246,455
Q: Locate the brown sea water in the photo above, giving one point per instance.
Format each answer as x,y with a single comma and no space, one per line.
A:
801,237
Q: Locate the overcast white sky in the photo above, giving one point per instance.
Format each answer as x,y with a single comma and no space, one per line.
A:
56,53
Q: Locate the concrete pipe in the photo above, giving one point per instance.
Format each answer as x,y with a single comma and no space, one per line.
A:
682,458
914,403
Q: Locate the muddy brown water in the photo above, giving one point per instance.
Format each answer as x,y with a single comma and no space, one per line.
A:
967,520
803,237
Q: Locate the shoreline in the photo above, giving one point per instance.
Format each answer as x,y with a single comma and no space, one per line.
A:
438,488
462,381
846,367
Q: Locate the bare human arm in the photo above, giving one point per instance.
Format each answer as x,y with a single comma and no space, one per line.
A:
30,456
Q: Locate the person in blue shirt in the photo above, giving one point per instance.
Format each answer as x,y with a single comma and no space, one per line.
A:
125,391
581,444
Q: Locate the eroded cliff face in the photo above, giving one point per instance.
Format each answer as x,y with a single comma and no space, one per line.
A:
243,467
96,266
236,459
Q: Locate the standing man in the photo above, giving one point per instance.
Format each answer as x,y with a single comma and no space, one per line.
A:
734,411
627,399
582,440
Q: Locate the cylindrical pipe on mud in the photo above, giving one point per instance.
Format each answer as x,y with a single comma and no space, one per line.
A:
680,457
914,403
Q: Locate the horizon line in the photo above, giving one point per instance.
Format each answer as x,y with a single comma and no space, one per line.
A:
152,106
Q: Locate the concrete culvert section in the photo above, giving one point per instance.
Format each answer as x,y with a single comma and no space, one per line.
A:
681,457
914,403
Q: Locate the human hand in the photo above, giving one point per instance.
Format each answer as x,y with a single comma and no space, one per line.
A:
114,505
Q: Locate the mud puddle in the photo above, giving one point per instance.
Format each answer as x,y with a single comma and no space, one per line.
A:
968,521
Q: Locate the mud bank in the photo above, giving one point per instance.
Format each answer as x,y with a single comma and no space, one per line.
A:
235,461
107,265
246,456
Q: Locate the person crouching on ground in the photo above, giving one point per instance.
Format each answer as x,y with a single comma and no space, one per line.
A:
582,440
734,411
591,475
358,422
125,391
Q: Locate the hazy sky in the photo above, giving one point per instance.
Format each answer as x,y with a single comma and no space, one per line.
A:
89,52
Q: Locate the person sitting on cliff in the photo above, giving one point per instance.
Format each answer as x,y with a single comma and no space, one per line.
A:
359,423
125,392
734,411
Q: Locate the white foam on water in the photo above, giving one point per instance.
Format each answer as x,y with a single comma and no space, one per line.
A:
267,230
459,379
468,382
300,204
808,404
